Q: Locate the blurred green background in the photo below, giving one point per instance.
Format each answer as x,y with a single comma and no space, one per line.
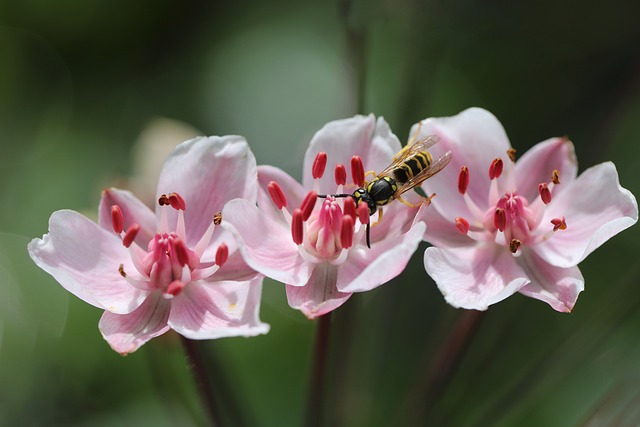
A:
82,82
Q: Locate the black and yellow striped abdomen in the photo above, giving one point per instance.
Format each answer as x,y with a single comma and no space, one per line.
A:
412,166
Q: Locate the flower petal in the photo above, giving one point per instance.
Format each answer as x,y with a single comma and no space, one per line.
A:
474,278
366,269
125,333
596,208
207,173
475,138
558,287
442,232
293,191
341,139
318,296
265,244
216,310
85,259
538,163
133,211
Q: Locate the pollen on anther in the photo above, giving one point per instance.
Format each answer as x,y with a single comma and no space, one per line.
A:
163,200
511,152
117,219
130,235
121,270
514,245
308,204
217,218
277,195
350,207
222,254
462,225
559,224
346,232
555,176
357,171
340,174
495,169
363,213
463,180
500,219
319,165
545,193
297,225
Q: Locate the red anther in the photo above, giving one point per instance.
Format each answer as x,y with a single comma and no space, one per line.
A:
174,288
130,235
495,170
350,207
177,202
462,225
297,224
182,252
555,176
363,213
357,171
346,232
545,193
559,224
463,180
117,219
308,204
500,219
341,174
277,195
222,254
514,245
319,164
511,152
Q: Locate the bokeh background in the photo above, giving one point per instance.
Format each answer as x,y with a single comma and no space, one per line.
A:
93,94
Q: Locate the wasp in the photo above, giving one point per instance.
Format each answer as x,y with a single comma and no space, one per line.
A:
410,167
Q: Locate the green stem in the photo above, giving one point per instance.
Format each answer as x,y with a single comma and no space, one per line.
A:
315,404
197,366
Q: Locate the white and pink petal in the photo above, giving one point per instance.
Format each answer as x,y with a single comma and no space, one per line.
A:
133,212
319,295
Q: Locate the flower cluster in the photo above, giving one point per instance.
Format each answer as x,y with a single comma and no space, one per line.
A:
221,224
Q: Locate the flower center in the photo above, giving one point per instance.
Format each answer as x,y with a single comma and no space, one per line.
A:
168,264
510,220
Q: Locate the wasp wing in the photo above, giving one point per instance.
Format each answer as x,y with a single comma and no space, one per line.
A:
433,168
409,151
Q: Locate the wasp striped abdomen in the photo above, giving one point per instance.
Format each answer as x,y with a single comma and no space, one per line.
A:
412,166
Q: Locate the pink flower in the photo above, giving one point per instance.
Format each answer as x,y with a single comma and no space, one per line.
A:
500,227
172,269
317,246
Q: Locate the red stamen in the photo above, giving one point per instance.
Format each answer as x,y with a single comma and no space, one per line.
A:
117,219
319,164
545,193
297,224
341,174
130,235
495,170
177,202
463,180
308,204
174,288
555,176
500,219
363,213
182,252
277,195
514,245
559,224
163,200
350,207
462,225
222,254
357,171
346,232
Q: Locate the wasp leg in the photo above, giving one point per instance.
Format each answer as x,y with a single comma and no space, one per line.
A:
379,217
367,173
415,205
410,143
